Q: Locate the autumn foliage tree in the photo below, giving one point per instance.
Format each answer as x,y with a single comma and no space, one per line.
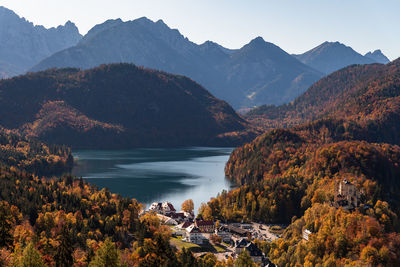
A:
188,206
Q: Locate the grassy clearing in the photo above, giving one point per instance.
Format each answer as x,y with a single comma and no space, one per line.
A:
179,244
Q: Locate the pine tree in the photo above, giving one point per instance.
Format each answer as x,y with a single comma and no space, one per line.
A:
186,258
106,256
244,260
6,225
30,257
63,257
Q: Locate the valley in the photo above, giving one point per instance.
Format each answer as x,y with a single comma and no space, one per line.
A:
132,145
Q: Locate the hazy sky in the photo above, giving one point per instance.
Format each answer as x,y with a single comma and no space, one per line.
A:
294,25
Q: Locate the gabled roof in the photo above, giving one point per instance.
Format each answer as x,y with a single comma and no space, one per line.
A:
193,229
241,243
171,221
178,215
170,206
237,230
253,250
184,225
204,223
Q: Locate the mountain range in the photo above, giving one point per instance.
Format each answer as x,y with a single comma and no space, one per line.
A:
332,56
23,45
256,74
118,106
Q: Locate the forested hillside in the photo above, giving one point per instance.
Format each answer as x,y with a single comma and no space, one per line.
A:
63,221
290,175
115,106
367,95
33,156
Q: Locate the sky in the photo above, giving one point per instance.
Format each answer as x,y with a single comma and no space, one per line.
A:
294,25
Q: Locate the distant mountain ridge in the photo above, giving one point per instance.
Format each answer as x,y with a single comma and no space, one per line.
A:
378,56
258,73
332,56
22,44
118,106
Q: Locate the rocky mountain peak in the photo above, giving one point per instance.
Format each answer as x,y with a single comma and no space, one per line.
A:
24,44
377,56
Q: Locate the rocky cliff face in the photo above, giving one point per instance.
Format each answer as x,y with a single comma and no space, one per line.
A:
23,44
256,74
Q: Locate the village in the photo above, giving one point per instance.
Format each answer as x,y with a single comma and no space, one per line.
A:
230,239
207,236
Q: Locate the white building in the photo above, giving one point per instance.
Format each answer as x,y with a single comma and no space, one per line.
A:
225,236
156,206
194,235
306,234
164,208
168,208
181,228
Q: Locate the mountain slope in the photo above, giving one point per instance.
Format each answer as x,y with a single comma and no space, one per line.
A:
368,95
115,106
23,45
268,73
228,74
345,130
332,56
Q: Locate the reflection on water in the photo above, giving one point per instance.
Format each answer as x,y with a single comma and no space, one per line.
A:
157,174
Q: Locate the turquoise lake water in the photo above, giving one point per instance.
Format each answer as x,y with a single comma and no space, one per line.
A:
151,175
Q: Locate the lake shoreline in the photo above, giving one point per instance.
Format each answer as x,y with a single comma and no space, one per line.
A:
157,174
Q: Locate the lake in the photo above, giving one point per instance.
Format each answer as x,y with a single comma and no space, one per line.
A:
157,175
